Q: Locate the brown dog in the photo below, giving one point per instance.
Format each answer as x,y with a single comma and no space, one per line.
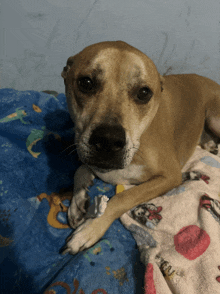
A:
132,126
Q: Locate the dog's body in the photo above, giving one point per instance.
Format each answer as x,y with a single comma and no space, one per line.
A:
132,126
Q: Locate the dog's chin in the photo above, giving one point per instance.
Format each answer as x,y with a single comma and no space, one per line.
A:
101,170
104,167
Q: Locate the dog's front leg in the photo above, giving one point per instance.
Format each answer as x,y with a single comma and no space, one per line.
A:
93,229
82,179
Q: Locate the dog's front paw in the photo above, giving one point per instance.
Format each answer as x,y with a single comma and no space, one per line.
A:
77,209
85,236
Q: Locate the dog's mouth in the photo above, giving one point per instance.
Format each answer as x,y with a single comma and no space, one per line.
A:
104,164
102,160
105,148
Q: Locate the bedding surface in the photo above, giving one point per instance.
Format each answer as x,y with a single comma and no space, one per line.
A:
177,234
36,177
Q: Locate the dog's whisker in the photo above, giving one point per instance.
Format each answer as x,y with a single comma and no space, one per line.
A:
72,151
69,147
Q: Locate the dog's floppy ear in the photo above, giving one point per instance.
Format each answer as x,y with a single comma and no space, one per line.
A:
66,68
162,80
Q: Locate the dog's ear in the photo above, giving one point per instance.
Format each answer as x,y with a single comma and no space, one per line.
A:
68,66
162,80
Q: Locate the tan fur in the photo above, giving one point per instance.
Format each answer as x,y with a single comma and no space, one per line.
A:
161,135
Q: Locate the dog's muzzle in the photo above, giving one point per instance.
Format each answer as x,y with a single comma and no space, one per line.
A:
107,147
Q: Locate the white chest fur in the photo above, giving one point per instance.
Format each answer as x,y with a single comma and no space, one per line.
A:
126,176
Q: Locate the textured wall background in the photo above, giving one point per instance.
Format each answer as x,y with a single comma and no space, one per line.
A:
37,37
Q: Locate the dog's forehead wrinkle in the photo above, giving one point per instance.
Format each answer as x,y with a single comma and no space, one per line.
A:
136,71
106,57
91,71
121,60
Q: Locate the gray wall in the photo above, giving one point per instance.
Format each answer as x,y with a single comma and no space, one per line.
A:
37,36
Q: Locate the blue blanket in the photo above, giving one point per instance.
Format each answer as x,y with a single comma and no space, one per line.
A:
36,177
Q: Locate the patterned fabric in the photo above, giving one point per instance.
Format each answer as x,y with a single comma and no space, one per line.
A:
178,234
36,175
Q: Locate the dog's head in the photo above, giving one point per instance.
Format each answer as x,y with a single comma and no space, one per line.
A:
113,92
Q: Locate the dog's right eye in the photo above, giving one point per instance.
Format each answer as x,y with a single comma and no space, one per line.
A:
144,95
85,84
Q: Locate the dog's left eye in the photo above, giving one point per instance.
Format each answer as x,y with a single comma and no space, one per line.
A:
144,94
85,84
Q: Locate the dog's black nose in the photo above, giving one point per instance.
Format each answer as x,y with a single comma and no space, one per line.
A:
108,138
